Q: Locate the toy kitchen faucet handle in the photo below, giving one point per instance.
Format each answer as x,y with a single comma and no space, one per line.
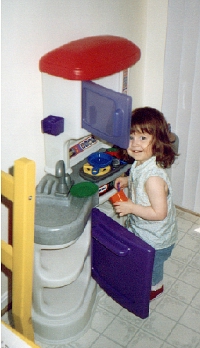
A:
62,188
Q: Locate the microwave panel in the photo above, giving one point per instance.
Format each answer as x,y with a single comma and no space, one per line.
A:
106,113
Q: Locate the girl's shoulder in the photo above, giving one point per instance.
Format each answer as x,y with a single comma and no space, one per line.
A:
151,168
147,169
157,171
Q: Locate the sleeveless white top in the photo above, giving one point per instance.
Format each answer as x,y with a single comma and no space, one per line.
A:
158,234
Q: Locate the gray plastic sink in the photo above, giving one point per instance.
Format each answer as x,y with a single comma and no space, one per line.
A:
60,220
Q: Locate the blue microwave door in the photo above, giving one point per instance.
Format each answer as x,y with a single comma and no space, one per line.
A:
106,113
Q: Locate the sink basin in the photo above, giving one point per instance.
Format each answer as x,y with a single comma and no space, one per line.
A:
60,220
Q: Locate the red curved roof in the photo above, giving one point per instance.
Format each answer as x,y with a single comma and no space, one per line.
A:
90,58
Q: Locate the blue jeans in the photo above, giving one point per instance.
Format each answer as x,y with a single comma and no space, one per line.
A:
158,267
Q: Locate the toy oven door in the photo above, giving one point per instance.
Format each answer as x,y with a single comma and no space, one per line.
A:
121,264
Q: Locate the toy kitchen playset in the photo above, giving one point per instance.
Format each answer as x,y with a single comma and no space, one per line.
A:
79,241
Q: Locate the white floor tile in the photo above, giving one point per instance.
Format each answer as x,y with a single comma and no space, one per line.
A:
144,339
197,221
193,228
182,254
104,342
159,325
183,225
196,301
182,337
180,236
191,319
168,282
187,216
120,331
190,241
198,345
167,345
86,341
131,318
109,304
195,262
171,308
183,291
191,276
102,319
173,268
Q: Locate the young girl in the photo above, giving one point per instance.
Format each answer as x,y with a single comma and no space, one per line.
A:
150,211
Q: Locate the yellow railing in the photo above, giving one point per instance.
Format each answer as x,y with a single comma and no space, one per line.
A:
18,257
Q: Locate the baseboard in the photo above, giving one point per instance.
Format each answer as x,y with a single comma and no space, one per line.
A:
188,211
6,300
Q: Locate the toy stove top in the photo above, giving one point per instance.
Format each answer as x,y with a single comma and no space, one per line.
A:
116,165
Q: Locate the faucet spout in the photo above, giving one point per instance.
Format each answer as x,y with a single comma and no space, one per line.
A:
62,188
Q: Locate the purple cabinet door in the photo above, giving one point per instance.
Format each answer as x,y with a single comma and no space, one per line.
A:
121,264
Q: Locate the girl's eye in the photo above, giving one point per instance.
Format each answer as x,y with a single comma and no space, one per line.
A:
143,138
131,137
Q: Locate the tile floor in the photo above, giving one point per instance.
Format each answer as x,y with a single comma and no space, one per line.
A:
174,320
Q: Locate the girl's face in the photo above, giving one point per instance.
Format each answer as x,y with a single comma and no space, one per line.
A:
140,146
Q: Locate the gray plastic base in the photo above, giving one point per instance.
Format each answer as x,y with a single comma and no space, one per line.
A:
64,292
70,327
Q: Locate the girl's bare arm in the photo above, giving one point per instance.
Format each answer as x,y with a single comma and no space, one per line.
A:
156,189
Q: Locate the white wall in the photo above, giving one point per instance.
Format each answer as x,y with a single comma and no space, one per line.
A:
181,102
149,31
155,53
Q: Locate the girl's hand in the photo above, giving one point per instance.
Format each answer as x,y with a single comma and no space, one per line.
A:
122,182
157,191
124,208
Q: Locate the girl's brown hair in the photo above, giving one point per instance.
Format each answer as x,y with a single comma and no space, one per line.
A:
151,121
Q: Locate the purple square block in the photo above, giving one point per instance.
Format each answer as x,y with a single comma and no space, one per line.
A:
53,125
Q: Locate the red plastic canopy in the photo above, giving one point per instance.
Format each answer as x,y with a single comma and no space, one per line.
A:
90,58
